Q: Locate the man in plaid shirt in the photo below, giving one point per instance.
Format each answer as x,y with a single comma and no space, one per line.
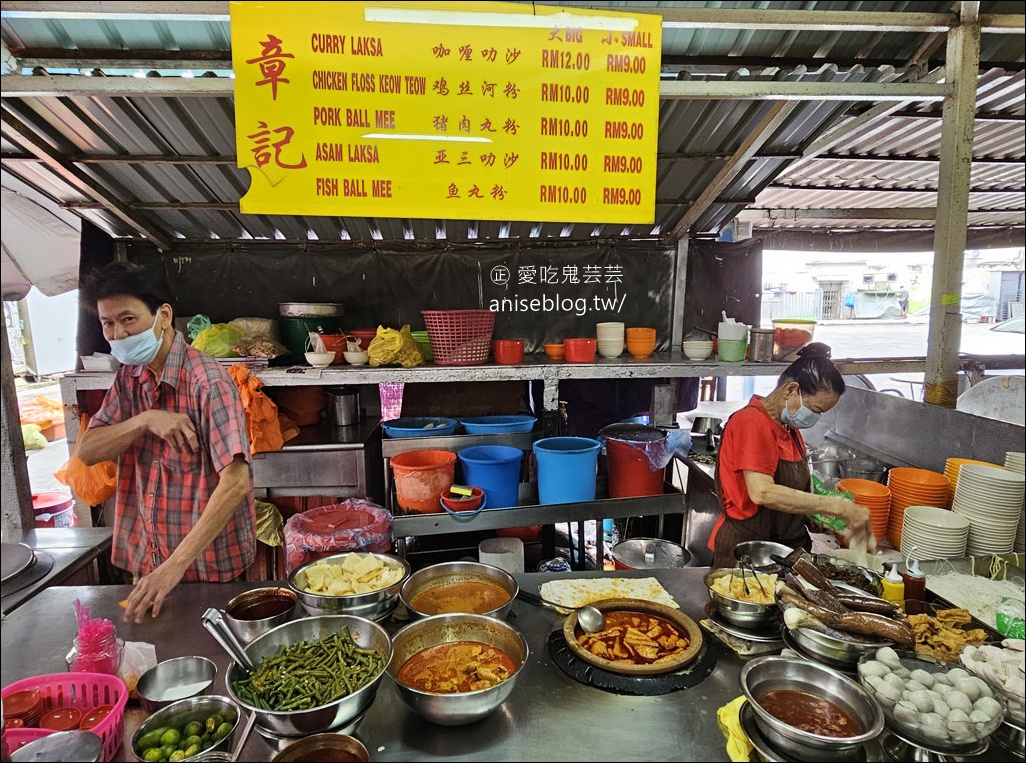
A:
174,421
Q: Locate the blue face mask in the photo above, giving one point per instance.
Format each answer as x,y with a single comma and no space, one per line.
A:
137,349
803,418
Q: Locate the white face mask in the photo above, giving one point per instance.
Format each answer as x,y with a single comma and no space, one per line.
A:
137,349
803,418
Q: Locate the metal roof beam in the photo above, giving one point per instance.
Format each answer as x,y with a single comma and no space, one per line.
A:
879,189
34,142
803,91
106,58
673,18
869,213
47,85
759,134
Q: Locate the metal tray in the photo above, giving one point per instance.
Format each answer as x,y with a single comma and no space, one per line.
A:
15,558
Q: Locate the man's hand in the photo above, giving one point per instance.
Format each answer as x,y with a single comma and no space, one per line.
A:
176,429
858,520
150,592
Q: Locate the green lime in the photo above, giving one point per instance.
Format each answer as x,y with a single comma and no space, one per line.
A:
192,750
223,730
150,739
190,740
153,755
167,750
193,729
213,722
176,756
171,737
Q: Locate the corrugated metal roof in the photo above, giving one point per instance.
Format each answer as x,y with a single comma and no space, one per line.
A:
888,164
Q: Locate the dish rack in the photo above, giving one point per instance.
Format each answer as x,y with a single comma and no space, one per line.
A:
82,690
459,337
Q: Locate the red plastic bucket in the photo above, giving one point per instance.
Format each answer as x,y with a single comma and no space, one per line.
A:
420,477
54,509
630,474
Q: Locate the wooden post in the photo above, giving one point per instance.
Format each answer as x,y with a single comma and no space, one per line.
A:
963,58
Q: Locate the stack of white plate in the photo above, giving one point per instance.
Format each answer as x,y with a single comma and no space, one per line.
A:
992,500
930,532
1015,461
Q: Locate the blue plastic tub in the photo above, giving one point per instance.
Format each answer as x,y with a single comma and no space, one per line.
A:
496,470
419,426
567,467
498,424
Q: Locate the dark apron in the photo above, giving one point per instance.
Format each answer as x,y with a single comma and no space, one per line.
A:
767,524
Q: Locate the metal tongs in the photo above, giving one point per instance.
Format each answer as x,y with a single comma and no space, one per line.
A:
746,559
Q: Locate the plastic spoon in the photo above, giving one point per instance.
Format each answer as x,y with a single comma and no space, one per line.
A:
590,618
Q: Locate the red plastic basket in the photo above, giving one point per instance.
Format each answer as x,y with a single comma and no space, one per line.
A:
18,738
459,337
84,691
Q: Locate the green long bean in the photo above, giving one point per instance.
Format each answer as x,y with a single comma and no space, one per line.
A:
309,674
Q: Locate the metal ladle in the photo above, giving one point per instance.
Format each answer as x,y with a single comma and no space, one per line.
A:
215,623
589,618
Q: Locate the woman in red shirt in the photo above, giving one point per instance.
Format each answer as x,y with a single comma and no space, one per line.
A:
762,473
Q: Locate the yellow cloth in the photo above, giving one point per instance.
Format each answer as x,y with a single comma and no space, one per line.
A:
728,717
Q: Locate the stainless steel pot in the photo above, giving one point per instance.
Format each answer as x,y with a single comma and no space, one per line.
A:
343,406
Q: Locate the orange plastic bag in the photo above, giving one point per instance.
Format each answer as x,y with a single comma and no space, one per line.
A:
92,484
261,412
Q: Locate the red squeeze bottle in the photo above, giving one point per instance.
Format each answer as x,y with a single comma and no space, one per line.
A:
915,581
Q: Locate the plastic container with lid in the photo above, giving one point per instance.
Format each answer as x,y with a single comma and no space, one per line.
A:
790,335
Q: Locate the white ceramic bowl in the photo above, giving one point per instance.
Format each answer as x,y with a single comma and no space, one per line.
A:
357,358
320,359
697,350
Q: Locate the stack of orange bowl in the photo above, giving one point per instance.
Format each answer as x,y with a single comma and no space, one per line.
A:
913,487
951,467
872,495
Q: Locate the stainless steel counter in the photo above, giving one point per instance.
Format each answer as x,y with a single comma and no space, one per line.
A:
548,716
72,552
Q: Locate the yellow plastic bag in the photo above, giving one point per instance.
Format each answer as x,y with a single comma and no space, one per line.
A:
92,484
390,346
219,340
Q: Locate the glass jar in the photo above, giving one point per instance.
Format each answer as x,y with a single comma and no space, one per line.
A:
97,654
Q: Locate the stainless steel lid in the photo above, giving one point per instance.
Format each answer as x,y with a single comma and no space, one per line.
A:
311,309
61,746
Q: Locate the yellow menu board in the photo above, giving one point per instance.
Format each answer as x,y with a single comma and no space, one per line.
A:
454,110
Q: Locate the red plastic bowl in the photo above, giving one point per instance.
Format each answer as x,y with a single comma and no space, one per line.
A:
95,715
61,719
580,350
508,352
454,502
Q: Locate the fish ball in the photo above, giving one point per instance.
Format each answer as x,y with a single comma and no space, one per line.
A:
894,680
969,687
874,683
956,673
933,727
941,708
942,689
906,712
990,706
888,695
920,675
922,699
873,668
941,679
911,686
978,716
888,657
957,699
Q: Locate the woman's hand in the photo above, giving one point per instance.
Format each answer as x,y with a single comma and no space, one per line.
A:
856,517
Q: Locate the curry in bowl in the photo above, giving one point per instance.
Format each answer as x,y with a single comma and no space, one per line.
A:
451,587
458,666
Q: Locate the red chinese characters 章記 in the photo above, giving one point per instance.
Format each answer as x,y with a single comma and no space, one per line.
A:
264,150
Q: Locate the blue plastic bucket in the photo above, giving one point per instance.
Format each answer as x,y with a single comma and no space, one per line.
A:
566,469
496,470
